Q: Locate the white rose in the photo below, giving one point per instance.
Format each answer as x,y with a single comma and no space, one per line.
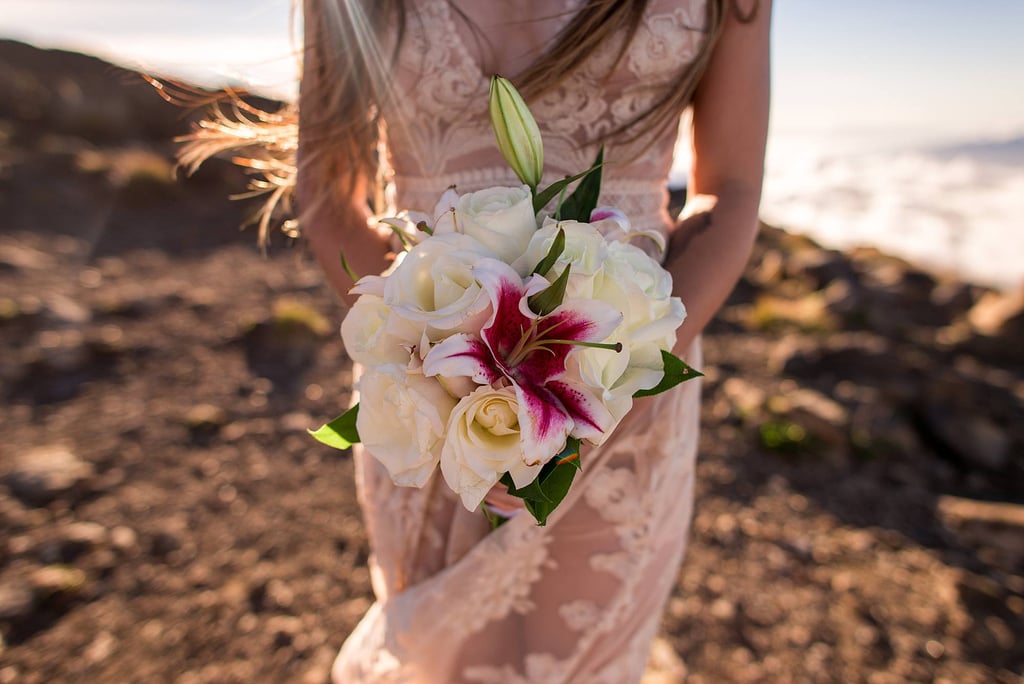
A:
483,442
502,219
615,226
630,262
373,336
638,286
618,376
585,249
434,285
401,421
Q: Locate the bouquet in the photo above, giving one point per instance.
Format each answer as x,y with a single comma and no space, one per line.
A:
503,337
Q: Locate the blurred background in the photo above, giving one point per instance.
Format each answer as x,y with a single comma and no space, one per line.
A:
895,125
164,517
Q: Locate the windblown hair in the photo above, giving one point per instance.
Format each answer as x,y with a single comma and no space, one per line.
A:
336,131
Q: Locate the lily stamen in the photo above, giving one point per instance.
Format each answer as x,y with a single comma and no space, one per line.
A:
569,458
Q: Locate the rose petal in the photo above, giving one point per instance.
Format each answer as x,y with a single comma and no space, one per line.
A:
371,285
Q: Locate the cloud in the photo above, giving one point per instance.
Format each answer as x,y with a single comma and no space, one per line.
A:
958,208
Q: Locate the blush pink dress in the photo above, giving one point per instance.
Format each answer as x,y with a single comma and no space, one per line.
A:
578,601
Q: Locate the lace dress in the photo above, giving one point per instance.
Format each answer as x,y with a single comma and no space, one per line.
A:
578,601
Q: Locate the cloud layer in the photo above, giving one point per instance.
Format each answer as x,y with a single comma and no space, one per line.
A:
956,208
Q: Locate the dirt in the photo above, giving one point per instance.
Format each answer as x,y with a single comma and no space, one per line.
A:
165,517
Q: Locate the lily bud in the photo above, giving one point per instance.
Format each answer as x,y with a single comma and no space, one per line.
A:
518,136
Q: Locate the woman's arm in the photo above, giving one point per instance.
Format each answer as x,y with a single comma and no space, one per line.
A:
334,212
336,220
712,242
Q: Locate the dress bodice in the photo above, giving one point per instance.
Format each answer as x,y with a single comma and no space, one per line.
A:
439,133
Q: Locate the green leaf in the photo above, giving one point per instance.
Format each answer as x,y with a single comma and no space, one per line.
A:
531,492
549,193
582,202
550,298
543,495
341,432
397,227
348,269
555,479
557,247
676,371
493,519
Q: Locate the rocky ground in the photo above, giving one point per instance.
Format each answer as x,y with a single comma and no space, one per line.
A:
164,517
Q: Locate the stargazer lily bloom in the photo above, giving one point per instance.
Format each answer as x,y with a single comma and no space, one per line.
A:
529,351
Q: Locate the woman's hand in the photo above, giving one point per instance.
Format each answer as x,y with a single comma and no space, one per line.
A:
505,503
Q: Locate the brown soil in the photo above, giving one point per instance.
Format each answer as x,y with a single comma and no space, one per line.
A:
165,517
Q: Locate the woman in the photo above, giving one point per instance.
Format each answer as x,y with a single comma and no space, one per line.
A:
579,600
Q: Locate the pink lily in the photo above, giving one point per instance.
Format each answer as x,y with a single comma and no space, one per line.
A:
529,351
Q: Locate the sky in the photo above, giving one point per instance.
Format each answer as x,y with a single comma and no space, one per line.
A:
909,69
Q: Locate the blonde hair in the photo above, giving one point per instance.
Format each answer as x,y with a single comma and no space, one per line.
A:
335,132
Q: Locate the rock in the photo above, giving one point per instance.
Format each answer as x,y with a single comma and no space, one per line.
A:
63,351
879,429
124,538
858,357
165,543
278,595
974,439
65,311
81,95
989,444
826,420
822,266
954,298
101,648
285,629
995,529
284,346
17,601
57,580
46,473
746,398
998,324
296,422
664,666
886,272
87,534
768,270
843,299
72,541
15,256
205,417
998,314
807,313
